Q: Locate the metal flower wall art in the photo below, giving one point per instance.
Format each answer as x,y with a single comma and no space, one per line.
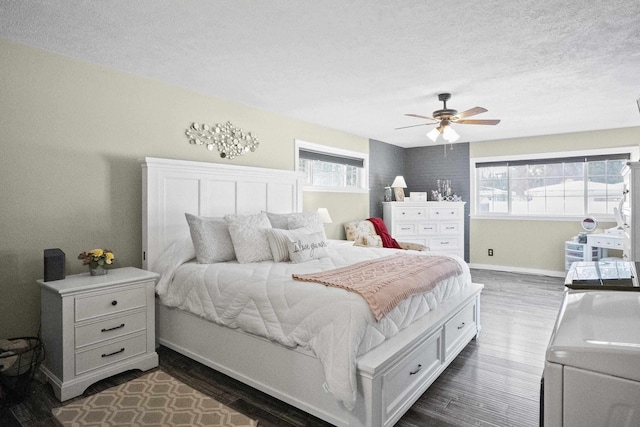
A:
229,140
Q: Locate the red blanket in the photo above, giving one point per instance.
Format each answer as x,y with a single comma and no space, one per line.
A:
381,230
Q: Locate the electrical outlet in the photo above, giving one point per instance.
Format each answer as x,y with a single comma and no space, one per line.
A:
490,252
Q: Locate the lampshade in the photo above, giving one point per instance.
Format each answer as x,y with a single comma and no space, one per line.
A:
399,182
433,134
449,134
324,215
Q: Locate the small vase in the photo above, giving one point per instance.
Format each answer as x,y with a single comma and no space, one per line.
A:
98,271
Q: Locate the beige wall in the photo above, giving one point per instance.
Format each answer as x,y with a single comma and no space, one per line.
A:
532,244
72,137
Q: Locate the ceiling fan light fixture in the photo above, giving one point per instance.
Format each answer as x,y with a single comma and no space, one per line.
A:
449,134
433,134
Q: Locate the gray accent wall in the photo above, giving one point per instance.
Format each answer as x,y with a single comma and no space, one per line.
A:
421,168
385,162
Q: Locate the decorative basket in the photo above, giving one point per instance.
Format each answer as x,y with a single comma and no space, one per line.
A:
19,359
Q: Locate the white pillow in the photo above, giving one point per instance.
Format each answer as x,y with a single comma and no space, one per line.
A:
309,220
278,240
248,233
211,239
280,221
305,246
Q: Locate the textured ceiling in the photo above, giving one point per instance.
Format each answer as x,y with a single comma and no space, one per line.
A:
542,67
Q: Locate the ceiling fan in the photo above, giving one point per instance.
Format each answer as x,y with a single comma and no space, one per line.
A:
445,117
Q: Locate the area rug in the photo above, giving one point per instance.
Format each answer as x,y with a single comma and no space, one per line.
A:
154,399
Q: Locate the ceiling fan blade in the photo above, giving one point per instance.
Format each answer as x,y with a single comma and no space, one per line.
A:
412,126
421,117
478,122
472,112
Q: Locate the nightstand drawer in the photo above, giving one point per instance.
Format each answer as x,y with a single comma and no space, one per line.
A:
110,353
108,303
96,332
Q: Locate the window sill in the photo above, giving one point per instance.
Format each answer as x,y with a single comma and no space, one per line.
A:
308,188
600,218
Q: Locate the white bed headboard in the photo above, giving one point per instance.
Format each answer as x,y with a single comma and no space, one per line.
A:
172,187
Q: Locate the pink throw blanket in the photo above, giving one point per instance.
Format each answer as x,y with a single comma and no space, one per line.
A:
384,282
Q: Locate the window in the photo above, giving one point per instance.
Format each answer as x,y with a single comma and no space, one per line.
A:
332,169
570,185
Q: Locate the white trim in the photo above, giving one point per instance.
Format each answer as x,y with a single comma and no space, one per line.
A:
634,153
364,179
521,270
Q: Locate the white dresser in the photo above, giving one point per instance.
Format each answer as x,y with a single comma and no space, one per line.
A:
631,210
94,327
438,225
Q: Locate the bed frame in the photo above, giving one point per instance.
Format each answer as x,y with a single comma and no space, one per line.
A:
391,377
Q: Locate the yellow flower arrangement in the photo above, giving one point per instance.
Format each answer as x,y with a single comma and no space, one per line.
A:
97,257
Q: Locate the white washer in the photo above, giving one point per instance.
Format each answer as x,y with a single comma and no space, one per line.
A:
592,367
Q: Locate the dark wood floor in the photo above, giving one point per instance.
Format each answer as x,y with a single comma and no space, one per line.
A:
495,381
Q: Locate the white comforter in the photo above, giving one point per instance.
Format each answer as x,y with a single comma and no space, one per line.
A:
262,299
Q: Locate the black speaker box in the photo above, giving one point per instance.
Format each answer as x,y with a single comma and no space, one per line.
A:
53,264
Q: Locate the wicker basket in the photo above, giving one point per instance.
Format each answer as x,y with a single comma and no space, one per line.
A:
17,367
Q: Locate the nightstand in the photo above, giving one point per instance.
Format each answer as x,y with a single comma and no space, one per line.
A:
94,327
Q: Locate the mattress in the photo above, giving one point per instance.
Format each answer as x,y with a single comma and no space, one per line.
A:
261,298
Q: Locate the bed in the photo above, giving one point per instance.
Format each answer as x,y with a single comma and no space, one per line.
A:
389,377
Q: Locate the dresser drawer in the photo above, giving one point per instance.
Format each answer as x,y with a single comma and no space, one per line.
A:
411,213
96,332
111,353
606,242
428,228
444,213
443,244
403,378
449,228
405,229
457,328
109,302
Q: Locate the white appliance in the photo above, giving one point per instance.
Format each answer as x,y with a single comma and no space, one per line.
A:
592,368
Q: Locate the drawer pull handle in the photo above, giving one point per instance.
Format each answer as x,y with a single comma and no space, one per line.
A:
114,302
114,353
113,329
405,228
418,369
444,243
461,326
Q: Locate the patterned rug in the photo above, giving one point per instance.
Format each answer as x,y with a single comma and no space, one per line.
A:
155,399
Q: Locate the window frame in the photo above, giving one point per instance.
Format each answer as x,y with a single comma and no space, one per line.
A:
632,151
336,152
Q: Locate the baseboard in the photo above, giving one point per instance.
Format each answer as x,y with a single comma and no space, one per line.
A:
519,270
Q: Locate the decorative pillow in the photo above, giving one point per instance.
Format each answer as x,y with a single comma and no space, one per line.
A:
280,221
249,237
211,239
304,247
309,220
354,229
368,240
278,243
